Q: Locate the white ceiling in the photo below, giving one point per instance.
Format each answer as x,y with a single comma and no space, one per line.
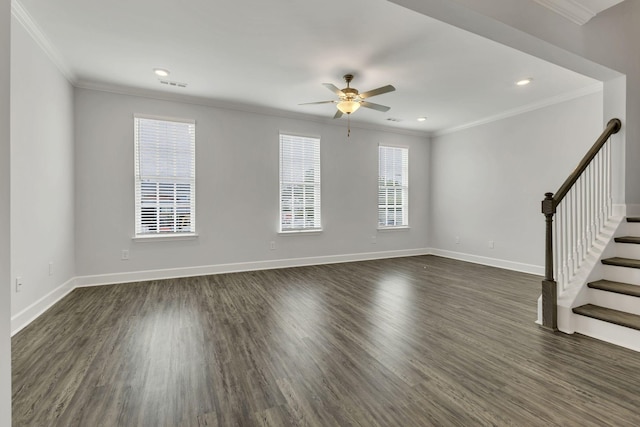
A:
277,53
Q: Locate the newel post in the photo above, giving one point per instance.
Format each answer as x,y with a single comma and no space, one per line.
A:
549,286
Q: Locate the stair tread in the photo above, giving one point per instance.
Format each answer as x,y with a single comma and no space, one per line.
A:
628,239
617,287
633,219
609,315
622,262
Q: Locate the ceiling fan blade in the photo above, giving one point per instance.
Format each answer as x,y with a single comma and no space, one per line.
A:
333,89
338,114
375,106
319,102
379,91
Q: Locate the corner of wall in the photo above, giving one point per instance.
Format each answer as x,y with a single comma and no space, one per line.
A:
5,216
33,311
42,134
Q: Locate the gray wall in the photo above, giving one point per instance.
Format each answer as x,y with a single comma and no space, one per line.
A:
487,181
236,188
42,172
5,258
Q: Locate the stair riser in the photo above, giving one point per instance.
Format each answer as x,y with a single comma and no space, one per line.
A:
605,331
631,229
628,250
621,274
614,301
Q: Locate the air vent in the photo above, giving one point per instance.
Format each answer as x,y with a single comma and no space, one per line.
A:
170,83
391,119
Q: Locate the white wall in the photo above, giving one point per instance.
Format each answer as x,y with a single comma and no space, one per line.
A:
609,39
5,258
237,188
42,172
487,182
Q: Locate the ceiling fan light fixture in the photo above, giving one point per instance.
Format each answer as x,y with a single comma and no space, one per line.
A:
348,107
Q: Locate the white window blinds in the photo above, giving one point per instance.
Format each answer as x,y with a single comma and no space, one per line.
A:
393,187
164,176
299,183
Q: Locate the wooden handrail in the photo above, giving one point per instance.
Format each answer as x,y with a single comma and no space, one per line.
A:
613,127
549,205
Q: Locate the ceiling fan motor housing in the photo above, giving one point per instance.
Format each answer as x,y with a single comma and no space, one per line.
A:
350,93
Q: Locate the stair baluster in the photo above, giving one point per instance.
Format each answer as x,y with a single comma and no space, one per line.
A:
583,204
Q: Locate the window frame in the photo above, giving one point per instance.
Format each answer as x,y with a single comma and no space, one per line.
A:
317,187
404,189
167,181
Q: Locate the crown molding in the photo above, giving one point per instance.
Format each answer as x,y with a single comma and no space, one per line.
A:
233,106
33,29
595,88
29,24
576,10
570,9
247,108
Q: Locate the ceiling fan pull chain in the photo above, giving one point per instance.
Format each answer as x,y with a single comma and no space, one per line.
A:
348,125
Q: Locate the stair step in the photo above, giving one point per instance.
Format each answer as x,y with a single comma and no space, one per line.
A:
622,262
628,239
633,219
617,287
609,315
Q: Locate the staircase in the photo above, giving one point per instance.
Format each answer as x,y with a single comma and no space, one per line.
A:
613,310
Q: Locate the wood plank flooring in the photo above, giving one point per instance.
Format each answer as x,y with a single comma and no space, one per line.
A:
419,341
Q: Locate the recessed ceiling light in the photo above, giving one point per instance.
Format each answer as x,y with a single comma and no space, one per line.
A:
161,72
422,119
524,82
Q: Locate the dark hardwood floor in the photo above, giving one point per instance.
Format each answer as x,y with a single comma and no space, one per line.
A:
414,341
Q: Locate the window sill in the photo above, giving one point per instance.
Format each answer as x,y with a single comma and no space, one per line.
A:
299,232
164,237
398,228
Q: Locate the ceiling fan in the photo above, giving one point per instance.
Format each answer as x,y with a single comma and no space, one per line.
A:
349,99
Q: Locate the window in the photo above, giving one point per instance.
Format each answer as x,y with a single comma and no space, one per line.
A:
165,176
393,187
299,183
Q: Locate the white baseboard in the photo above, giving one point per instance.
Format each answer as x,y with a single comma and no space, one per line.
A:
171,273
493,262
31,313
619,210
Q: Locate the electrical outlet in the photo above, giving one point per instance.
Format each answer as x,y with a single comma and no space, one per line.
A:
50,268
125,254
491,244
18,284
272,245
457,240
